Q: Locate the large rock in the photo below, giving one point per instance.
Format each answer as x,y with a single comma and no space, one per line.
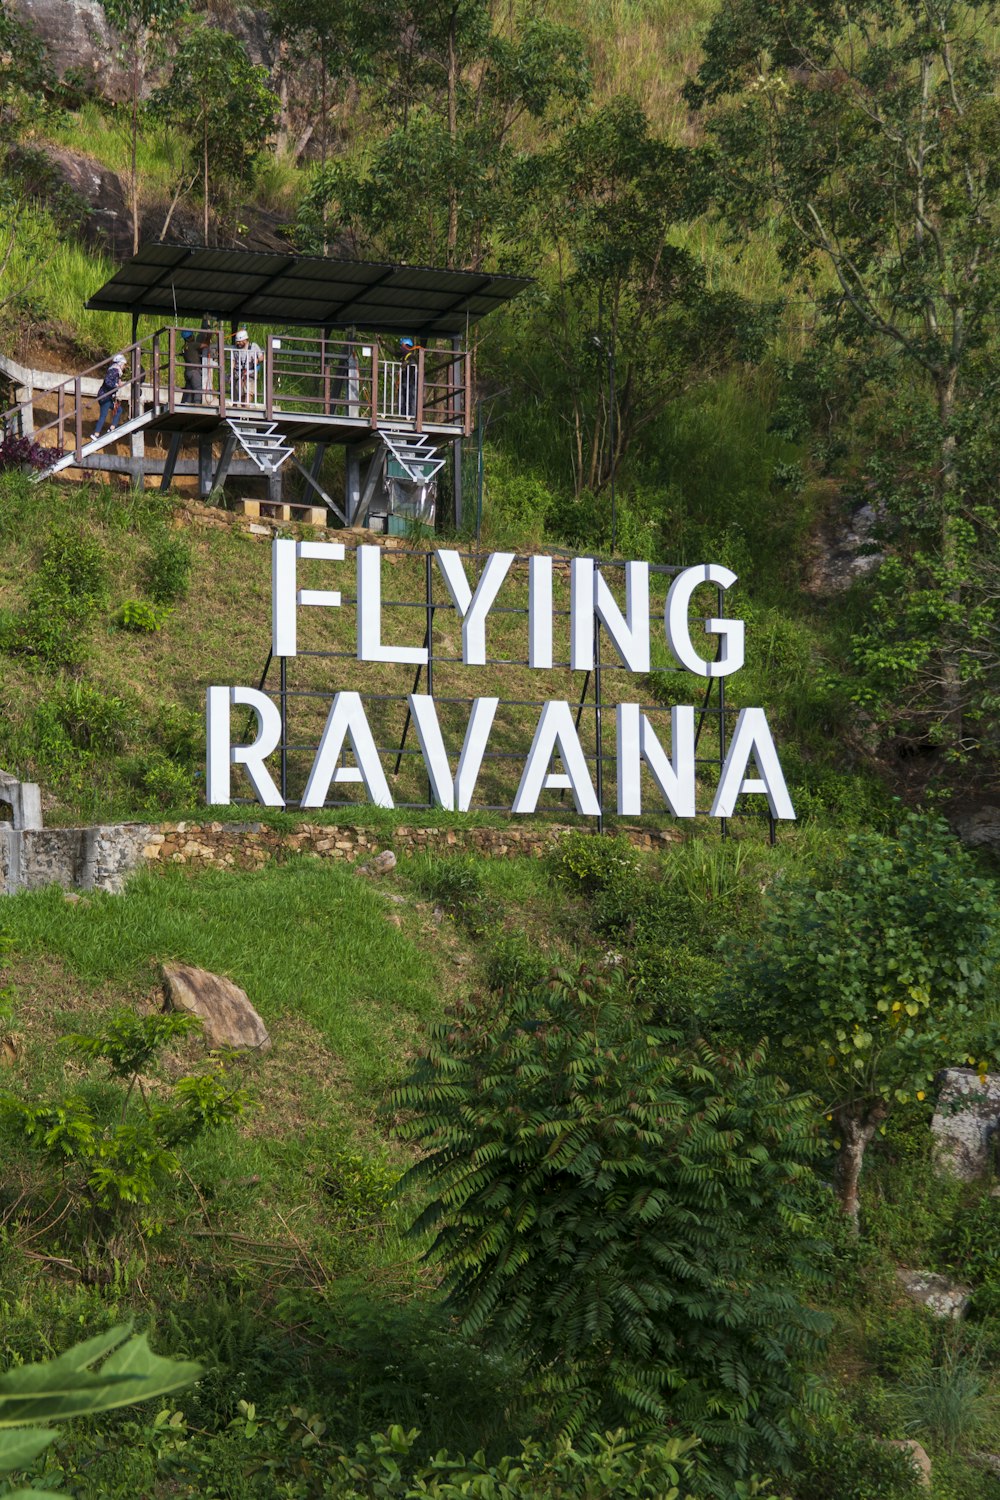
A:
918,1454
965,1123
943,1298
223,1008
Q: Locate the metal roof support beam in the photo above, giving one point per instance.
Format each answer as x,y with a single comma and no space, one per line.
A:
314,484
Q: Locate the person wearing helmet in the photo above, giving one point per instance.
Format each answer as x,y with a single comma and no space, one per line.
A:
408,354
108,399
247,359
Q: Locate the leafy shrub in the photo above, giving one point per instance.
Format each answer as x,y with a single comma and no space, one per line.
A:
161,782
592,862
91,719
110,1165
166,571
363,1189
457,885
514,963
24,453
632,1217
970,1242
6,991
180,732
68,588
840,1466
143,618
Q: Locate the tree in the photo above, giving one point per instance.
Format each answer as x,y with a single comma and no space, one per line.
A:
607,196
631,1216
142,27
224,102
872,976
463,98
864,135
313,37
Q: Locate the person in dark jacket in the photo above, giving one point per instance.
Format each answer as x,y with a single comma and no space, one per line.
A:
108,398
192,367
408,354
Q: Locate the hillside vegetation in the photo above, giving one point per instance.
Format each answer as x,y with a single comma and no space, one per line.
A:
599,1174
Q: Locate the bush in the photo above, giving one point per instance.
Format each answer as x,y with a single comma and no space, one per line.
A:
838,1466
592,862
633,1218
68,588
112,1157
514,963
143,618
161,782
166,571
91,719
456,883
21,453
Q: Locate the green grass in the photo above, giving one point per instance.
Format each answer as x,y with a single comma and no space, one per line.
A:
305,940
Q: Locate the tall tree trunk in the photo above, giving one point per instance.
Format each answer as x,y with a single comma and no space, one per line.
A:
856,1126
134,162
453,136
951,676
204,161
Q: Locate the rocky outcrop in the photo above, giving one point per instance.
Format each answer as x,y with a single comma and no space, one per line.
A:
846,551
228,1018
82,47
965,1123
943,1298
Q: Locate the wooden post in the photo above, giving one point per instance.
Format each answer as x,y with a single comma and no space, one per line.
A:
171,356
269,377
156,372
374,415
467,398
420,389
221,347
78,398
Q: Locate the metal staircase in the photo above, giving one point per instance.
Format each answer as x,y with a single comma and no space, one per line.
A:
261,441
94,445
414,454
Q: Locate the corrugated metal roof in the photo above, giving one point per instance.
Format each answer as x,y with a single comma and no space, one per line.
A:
251,286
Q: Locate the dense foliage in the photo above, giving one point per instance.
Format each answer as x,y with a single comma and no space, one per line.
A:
632,1215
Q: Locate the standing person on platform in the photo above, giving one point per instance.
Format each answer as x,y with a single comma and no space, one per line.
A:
191,365
247,360
408,354
108,398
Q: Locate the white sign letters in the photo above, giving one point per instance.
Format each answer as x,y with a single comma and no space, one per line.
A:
556,757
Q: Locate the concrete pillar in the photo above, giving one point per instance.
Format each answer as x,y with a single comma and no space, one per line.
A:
206,467
352,481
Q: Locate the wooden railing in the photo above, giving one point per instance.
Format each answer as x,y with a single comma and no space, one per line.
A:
353,379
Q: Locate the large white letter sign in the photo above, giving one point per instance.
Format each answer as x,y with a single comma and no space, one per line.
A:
285,593
556,730
454,795
474,607
679,634
581,614
752,738
637,742
539,611
630,636
346,720
222,754
370,646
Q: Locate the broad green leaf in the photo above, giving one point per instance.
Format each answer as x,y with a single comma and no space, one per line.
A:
66,1387
21,1446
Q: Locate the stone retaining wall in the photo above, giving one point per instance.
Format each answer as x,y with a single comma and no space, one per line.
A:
102,858
247,846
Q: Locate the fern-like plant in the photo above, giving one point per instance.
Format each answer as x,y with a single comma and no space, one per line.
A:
632,1215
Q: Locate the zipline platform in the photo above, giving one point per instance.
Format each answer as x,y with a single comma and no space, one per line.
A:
384,371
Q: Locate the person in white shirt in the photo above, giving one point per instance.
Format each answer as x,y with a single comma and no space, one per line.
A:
247,359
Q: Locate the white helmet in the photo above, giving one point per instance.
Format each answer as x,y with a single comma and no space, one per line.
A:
119,359
242,336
